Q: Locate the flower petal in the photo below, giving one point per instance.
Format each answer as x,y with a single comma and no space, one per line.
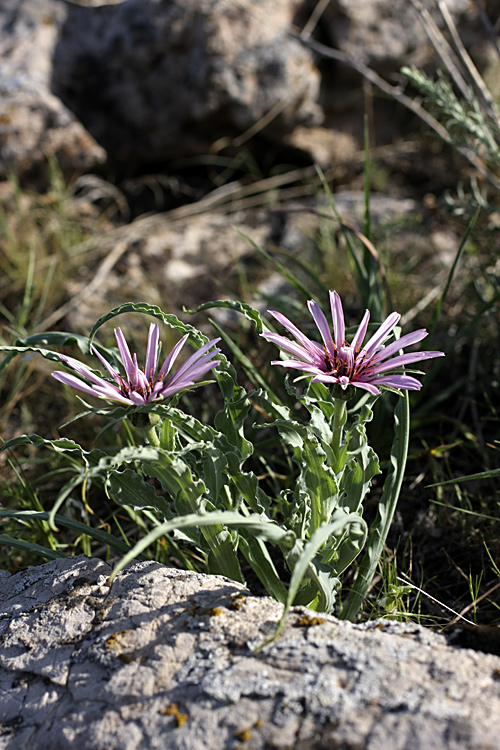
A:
382,333
152,352
322,325
124,353
106,364
292,348
338,319
194,365
84,371
105,390
360,334
167,365
405,359
311,346
401,343
406,382
296,365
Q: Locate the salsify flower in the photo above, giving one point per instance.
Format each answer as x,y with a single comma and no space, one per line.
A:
142,386
334,361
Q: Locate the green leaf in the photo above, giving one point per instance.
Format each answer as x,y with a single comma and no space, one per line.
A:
252,372
38,341
362,463
258,557
195,337
56,338
302,560
259,526
60,445
128,488
469,478
249,312
81,528
385,511
36,549
215,474
317,478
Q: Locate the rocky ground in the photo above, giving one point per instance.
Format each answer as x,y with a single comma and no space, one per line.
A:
171,658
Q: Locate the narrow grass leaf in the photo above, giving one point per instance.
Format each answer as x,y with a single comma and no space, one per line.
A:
35,549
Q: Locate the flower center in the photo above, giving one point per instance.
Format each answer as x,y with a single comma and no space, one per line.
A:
137,382
342,364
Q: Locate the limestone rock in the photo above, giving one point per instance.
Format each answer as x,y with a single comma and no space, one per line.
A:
34,124
156,79
166,658
387,34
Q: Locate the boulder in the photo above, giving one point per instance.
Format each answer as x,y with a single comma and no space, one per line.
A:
35,125
387,34
172,658
157,80
142,83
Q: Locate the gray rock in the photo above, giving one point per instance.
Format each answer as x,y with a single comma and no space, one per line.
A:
149,79
142,82
166,658
387,34
34,124
157,79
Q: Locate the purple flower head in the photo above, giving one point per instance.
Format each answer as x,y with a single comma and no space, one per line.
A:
334,361
142,386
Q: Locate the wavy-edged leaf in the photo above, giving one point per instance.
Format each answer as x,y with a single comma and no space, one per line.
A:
302,559
172,321
128,488
385,511
257,525
249,312
257,555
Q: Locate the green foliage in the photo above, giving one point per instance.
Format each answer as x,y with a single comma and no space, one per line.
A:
466,119
199,483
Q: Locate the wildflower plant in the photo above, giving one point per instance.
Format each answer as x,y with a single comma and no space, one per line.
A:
197,480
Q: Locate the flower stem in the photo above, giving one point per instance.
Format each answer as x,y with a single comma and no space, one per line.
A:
152,437
385,512
339,420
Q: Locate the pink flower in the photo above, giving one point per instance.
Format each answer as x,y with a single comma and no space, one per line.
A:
138,386
337,361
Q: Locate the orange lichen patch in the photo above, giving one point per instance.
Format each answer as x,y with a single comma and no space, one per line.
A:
115,643
195,610
307,621
112,643
244,735
213,612
173,710
238,602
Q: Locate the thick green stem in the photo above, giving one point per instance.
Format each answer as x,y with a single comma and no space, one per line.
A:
339,420
385,513
146,424
152,437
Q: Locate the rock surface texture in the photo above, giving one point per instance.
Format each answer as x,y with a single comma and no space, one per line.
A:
34,124
144,82
166,659
387,34
152,79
